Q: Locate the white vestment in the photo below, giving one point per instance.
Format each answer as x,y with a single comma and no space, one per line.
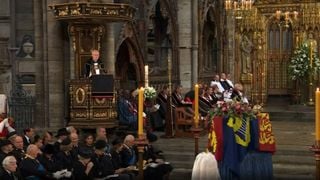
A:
205,167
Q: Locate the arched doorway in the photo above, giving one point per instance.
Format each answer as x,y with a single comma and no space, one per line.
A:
159,42
126,67
280,41
209,45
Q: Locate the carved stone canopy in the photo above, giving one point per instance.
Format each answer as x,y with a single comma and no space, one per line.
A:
86,11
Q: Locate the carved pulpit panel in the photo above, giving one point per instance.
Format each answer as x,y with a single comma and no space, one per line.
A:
84,38
88,110
79,98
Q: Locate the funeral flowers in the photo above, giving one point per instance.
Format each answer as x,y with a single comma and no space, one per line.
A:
301,64
233,108
150,92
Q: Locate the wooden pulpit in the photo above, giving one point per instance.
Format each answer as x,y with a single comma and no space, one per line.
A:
93,102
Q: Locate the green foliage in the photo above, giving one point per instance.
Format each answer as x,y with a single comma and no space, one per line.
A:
300,66
150,92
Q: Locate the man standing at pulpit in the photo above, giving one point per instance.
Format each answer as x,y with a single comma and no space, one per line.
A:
94,66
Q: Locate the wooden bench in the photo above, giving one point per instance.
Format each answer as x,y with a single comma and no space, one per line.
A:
183,122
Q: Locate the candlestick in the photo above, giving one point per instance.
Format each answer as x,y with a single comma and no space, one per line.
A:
146,75
311,49
317,109
196,105
140,111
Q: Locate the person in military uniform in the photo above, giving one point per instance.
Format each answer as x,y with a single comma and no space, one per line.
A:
128,153
31,168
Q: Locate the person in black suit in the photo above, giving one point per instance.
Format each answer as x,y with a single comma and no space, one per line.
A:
9,169
28,135
94,66
225,84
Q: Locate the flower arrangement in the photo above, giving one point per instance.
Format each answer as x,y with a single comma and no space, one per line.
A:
150,92
234,108
300,64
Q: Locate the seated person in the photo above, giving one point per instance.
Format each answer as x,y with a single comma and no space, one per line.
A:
158,117
228,79
156,167
94,66
177,99
206,101
128,152
127,111
237,93
82,168
8,169
225,84
162,101
31,168
103,166
216,94
216,81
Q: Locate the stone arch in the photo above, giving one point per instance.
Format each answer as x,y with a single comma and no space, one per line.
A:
129,65
169,6
209,40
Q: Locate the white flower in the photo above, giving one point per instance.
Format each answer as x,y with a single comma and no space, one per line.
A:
150,92
299,65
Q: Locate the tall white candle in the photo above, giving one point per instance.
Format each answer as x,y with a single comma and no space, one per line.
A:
146,75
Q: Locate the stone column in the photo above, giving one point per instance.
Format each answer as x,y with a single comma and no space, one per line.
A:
195,45
40,115
55,71
185,43
229,60
110,49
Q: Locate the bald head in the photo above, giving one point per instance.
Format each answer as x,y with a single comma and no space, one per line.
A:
18,142
129,140
33,150
95,55
74,139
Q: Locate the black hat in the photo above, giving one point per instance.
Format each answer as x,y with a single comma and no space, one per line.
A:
11,134
66,142
4,142
62,132
117,141
100,144
152,137
48,149
85,152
